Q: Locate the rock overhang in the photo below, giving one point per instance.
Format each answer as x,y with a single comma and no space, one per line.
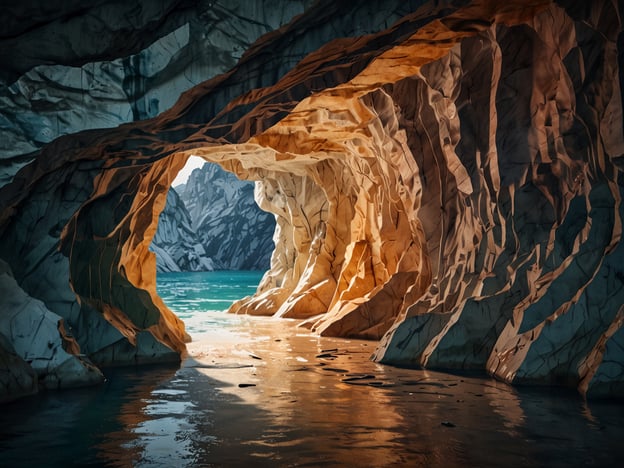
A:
430,189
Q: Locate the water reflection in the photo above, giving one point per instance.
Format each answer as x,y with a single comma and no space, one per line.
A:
153,427
260,392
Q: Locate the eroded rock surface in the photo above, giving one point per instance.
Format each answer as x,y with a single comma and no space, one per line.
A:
17,378
77,65
213,223
235,233
445,179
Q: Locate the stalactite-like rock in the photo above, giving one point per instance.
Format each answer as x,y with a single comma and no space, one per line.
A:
445,179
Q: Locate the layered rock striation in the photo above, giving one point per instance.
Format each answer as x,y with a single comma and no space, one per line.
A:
234,231
36,350
75,65
445,179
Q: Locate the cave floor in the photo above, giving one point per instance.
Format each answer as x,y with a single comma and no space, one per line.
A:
259,391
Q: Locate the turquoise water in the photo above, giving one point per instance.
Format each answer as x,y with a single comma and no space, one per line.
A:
188,293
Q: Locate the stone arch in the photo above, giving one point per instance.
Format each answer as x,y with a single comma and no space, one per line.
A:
424,199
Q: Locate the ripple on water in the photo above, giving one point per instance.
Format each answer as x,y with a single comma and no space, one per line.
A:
262,392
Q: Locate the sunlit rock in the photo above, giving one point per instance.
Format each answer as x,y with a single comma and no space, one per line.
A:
445,179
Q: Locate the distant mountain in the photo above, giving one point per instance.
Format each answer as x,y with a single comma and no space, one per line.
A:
213,222
176,245
235,232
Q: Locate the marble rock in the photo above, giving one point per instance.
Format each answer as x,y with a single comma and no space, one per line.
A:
34,336
17,378
213,223
72,66
445,178
234,232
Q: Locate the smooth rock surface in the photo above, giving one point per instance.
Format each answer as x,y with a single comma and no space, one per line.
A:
445,178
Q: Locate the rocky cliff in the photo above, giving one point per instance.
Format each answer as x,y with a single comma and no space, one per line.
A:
445,178
234,232
175,243
225,229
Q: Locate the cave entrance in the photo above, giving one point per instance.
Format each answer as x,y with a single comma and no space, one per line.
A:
213,243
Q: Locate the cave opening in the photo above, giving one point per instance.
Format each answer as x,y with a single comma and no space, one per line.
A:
416,207
213,243
446,184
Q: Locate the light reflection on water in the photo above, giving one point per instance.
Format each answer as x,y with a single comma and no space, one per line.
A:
261,392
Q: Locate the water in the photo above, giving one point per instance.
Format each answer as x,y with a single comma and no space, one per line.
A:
188,293
264,392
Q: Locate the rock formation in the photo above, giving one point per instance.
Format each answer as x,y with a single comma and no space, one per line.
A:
83,64
445,178
36,350
225,229
176,243
233,231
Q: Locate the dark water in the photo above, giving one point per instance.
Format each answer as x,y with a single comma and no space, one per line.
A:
262,392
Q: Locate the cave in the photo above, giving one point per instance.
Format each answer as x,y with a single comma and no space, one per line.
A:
445,179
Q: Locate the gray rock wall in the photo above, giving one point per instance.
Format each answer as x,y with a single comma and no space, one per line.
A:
176,244
235,233
37,350
71,66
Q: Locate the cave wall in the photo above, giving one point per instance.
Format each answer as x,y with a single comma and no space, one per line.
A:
445,179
